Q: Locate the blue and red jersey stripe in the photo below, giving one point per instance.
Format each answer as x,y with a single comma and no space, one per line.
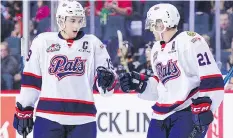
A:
31,80
208,83
66,107
211,83
166,108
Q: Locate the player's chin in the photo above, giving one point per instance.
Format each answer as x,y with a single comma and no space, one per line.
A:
74,34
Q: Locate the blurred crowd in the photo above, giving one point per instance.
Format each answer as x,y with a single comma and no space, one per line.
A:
132,54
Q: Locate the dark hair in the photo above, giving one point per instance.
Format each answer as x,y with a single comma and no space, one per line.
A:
224,12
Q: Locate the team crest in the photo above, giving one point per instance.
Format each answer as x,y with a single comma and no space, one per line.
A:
53,47
61,66
167,72
189,33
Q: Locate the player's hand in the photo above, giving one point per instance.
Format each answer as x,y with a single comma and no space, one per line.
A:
105,78
133,81
23,119
202,115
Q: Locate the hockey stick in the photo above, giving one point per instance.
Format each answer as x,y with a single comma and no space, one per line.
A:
120,38
22,60
123,48
228,76
24,134
23,54
196,129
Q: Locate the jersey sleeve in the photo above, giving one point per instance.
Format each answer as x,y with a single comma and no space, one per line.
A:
201,63
102,58
31,78
151,91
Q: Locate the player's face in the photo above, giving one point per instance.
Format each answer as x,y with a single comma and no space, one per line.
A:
159,26
4,51
73,25
224,21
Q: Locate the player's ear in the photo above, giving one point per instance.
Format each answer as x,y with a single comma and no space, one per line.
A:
61,23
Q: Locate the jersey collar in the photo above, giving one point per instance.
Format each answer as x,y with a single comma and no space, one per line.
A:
173,36
163,43
79,35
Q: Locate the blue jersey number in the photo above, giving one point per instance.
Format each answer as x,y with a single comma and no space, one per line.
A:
203,59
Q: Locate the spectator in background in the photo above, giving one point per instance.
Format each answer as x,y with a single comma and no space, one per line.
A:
138,7
203,6
17,32
6,27
226,33
230,59
32,30
114,7
146,68
7,24
42,19
43,11
9,68
228,5
224,6
12,10
98,6
18,10
117,7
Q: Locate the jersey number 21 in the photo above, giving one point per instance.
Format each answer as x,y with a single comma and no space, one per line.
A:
203,59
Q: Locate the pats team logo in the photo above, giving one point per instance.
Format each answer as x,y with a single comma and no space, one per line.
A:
61,67
53,47
167,72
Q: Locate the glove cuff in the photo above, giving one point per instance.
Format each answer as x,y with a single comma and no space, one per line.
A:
24,114
203,107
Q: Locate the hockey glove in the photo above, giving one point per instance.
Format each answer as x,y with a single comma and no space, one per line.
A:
105,78
133,81
23,119
202,115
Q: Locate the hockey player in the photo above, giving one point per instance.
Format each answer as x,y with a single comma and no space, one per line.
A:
62,68
187,86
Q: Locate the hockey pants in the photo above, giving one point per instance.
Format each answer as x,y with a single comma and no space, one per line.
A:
44,128
177,125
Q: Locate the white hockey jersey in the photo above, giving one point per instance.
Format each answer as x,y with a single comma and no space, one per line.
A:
61,73
185,69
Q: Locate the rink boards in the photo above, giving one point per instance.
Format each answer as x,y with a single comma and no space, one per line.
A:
123,116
